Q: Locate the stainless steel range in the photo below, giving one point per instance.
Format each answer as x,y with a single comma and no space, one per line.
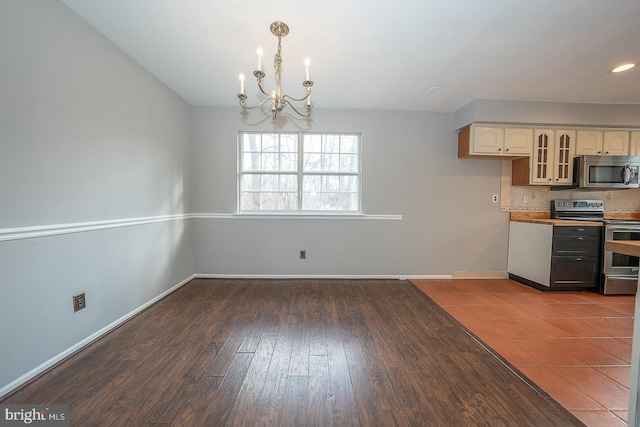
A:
580,210
619,273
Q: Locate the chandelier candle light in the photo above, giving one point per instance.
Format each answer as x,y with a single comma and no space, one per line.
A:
278,101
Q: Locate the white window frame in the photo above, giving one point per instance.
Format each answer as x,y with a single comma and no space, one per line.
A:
300,173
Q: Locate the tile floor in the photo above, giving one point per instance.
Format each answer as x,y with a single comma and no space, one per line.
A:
574,345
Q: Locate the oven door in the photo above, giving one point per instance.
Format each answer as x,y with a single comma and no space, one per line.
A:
619,264
620,272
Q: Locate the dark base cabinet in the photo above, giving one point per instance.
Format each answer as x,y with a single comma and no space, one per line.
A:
574,272
555,257
575,258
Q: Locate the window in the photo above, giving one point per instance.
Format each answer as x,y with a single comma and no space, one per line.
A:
299,172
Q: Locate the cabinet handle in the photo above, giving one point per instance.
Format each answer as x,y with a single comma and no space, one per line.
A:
578,238
576,259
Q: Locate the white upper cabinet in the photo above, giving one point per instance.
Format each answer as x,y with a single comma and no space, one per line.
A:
542,159
599,143
488,140
589,142
564,151
518,141
634,144
615,143
551,162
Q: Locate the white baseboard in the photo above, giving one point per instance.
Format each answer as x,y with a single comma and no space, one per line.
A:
479,274
88,340
319,276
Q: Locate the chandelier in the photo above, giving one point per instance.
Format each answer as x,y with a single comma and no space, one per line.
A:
277,99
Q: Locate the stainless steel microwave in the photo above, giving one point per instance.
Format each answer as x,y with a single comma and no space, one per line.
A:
606,171
603,173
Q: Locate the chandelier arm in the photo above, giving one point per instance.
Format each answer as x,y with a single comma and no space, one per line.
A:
299,113
262,90
243,105
296,99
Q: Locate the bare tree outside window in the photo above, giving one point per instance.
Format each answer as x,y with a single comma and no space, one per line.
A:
331,173
299,172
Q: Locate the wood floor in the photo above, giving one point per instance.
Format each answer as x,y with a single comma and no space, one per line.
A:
292,353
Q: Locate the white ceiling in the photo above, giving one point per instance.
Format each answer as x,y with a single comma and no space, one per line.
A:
381,54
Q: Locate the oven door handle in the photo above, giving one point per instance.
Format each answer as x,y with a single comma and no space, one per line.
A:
620,229
628,172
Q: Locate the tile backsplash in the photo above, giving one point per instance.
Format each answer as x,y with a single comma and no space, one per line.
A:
539,197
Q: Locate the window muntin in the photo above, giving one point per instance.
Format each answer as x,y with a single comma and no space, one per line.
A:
299,172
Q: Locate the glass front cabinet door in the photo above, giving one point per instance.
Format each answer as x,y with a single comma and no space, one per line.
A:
565,141
542,159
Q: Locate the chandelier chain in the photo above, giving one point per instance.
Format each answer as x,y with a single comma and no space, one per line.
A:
277,60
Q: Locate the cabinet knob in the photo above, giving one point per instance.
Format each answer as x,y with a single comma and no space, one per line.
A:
599,152
506,149
606,152
499,149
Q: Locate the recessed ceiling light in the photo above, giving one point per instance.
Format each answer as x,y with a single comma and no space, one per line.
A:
623,67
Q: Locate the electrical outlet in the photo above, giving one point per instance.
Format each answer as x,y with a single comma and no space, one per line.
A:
303,254
494,198
525,198
79,302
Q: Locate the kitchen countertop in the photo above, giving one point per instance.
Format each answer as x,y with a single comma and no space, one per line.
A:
626,247
559,222
544,217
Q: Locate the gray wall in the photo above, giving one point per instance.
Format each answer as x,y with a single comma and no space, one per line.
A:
86,136
410,168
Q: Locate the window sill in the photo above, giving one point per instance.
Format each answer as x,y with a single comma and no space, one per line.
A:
274,215
316,215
